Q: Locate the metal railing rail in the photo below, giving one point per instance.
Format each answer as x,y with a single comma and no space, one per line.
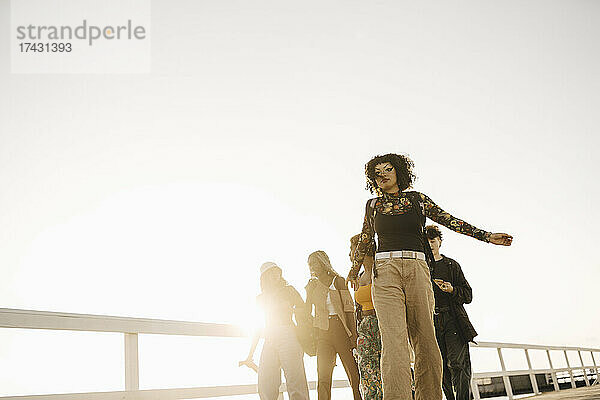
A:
506,374
132,327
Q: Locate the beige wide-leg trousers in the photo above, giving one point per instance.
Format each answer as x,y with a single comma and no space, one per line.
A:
282,351
403,300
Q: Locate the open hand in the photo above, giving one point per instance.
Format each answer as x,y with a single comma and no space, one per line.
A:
502,239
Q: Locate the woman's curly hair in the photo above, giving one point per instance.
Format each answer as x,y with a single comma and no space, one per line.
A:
402,164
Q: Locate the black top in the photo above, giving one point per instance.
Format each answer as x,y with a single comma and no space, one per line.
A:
398,232
399,205
441,271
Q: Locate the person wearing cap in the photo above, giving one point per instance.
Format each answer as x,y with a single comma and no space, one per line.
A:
281,350
328,293
402,289
453,329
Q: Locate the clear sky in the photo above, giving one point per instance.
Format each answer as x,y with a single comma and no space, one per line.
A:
159,195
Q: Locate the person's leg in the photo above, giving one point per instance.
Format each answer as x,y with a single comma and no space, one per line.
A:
291,357
441,340
459,361
419,318
344,349
388,299
369,353
269,372
447,383
325,363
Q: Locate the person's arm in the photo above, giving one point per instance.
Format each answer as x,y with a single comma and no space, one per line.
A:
462,292
309,292
435,213
348,308
301,309
366,242
249,361
351,318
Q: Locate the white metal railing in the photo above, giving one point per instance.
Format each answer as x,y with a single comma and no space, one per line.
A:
506,374
132,327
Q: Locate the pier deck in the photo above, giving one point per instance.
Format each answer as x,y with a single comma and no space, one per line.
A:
583,393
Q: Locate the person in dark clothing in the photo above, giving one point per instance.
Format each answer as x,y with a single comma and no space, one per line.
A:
453,330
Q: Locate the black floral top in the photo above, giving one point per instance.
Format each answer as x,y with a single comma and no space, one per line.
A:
399,204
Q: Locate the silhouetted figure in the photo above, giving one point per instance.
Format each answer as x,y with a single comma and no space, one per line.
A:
281,349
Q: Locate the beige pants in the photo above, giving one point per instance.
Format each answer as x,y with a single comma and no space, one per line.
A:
332,342
282,351
403,300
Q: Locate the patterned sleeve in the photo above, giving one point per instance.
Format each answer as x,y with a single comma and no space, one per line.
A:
435,213
366,244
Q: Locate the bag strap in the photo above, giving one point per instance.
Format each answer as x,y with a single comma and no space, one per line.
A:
419,206
371,222
372,213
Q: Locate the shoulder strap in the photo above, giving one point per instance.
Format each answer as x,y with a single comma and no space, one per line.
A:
419,206
372,212
372,207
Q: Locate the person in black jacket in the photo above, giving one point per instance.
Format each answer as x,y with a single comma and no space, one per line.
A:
453,329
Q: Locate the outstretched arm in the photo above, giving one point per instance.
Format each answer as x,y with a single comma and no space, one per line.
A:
435,213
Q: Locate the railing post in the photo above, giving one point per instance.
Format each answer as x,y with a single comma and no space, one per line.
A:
587,381
132,369
474,387
595,367
573,385
553,373
505,377
532,377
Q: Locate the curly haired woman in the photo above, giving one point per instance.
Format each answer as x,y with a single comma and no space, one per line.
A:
402,291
